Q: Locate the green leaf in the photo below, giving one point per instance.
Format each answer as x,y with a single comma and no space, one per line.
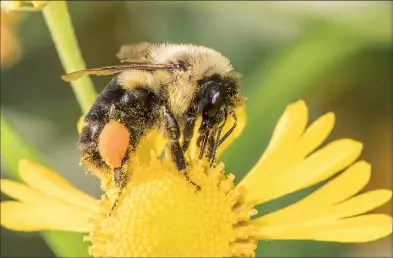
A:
14,148
66,244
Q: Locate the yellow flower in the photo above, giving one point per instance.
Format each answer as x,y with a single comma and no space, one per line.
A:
23,5
160,214
10,51
10,47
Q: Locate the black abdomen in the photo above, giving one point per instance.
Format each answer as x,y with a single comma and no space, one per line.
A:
135,108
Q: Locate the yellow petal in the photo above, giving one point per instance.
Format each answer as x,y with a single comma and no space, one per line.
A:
51,183
320,202
321,214
360,204
193,150
154,140
317,167
333,158
358,229
27,217
10,5
20,191
347,184
287,131
315,134
353,230
81,123
39,3
241,123
324,163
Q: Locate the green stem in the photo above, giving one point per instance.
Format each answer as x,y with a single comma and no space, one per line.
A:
60,26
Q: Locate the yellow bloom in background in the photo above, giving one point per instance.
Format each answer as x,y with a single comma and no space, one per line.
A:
160,214
10,47
10,51
22,5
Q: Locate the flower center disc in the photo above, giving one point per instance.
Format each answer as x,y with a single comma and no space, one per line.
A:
160,214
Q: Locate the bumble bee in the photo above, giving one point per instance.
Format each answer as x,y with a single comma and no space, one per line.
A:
164,87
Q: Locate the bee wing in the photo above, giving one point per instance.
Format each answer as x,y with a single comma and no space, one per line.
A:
135,52
108,70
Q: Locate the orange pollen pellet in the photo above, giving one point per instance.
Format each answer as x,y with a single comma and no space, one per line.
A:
113,143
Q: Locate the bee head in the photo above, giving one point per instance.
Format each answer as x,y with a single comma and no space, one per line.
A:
218,95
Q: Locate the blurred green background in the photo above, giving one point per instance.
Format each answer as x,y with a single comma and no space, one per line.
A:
335,55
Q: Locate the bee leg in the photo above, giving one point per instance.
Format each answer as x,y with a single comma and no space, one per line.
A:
121,174
120,177
217,140
230,130
173,132
215,146
188,131
210,146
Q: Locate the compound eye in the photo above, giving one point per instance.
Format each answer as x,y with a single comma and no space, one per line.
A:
216,101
